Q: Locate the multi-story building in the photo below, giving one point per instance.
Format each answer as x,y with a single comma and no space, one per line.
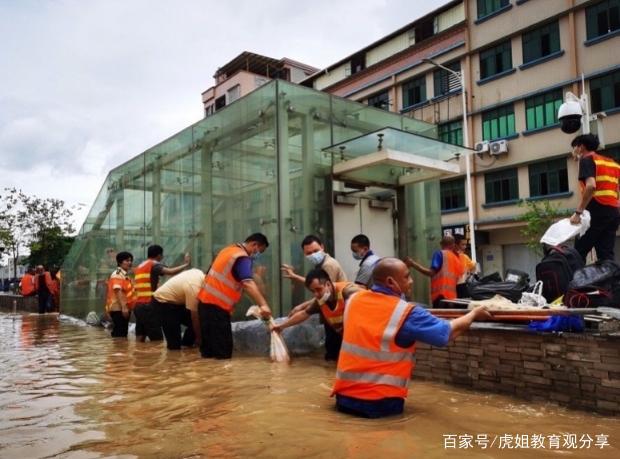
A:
519,58
245,73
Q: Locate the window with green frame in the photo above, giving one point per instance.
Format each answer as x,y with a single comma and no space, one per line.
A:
381,100
498,123
541,42
414,91
452,194
602,18
486,7
605,92
612,152
542,110
496,60
444,81
501,186
451,132
548,177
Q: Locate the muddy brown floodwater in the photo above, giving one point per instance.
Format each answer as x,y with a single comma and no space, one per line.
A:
68,390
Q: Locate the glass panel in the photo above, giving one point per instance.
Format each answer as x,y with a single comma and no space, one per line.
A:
256,165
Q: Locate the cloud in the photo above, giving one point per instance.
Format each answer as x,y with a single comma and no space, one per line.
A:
90,85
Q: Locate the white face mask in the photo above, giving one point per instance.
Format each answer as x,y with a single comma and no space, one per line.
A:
316,258
325,298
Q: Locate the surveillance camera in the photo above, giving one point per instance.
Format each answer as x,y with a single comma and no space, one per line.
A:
569,114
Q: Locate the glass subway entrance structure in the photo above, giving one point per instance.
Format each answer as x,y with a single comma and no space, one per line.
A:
278,161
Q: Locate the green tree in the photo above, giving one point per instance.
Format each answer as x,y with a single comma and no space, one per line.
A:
31,222
538,217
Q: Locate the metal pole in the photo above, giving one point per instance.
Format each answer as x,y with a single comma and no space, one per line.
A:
470,207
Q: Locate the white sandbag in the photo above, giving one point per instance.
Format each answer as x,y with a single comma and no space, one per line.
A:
277,350
564,230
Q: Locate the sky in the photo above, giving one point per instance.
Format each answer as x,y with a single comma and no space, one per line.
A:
88,84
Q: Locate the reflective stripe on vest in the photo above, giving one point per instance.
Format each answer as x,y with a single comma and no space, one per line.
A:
606,177
142,277
373,378
220,287
443,284
371,365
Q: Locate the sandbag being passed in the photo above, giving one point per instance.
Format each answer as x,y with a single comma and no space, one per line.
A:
277,349
564,230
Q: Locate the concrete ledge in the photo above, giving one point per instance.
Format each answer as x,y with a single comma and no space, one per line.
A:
21,303
576,370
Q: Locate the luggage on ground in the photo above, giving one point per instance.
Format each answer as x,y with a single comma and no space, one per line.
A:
556,270
595,286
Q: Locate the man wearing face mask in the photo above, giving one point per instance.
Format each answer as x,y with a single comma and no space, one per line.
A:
329,301
380,331
228,277
314,251
360,247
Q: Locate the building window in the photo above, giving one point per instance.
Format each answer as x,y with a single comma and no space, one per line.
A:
358,63
209,110
486,7
414,92
425,29
444,81
605,92
612,152
549,177
498,123
381,100
452,193
501,186
541,42
602,18
496,60
542,110
220,102
451,132
233,94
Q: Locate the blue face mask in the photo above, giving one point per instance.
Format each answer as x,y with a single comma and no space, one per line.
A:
357,256
255,256
316,258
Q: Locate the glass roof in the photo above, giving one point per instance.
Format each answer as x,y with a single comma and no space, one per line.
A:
391,157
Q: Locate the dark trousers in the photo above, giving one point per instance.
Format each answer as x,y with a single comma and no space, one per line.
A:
216,331
120,324
333,342
44,299
148,320
172,317
601,236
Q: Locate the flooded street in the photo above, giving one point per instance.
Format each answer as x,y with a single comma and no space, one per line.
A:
68,390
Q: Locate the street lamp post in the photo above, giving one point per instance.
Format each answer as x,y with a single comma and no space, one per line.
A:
470,208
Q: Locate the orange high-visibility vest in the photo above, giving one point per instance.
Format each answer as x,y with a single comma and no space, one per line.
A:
126,287
27,285
142,276
371,365
607,175
334,316
220,286
443,284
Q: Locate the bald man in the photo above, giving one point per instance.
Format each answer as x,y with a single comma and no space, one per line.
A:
378,346
445,271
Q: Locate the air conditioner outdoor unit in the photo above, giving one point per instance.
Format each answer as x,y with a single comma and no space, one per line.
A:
481,147
498,148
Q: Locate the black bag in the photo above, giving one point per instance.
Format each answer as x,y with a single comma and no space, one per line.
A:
594,286
556,270
480,290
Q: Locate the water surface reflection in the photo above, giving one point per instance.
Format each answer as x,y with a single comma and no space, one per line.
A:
68,390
